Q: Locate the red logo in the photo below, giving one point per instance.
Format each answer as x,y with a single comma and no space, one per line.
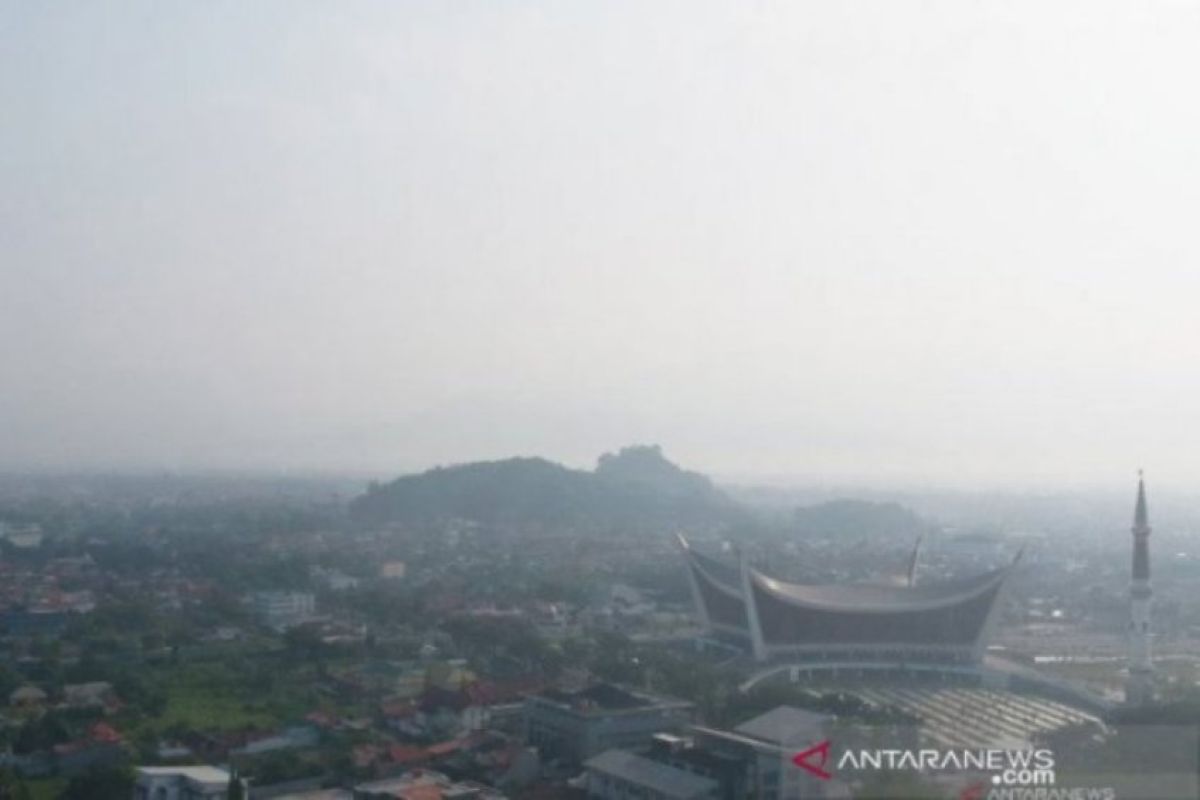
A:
805,758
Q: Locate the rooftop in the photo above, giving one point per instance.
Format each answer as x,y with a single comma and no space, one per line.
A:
200,774
783,724
602,697
660,778
888,597
426,785
863,597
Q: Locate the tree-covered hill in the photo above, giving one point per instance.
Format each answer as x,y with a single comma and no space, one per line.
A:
635,486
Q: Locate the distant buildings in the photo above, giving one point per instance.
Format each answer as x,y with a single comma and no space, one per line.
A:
27,698
335,580
393,570
95,694
22,537
576,726
291,738
283,610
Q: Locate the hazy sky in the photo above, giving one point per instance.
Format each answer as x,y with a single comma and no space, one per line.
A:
894,241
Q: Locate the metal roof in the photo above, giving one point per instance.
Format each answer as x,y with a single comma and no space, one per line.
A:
660,778
783,724
873,597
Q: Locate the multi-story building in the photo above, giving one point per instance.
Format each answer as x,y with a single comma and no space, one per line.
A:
746,763
573,726
283,610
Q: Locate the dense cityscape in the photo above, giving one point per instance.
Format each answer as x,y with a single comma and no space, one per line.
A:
592,400
292,639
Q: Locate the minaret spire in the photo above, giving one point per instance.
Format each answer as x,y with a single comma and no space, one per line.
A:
1141,519
1140,687
1141,537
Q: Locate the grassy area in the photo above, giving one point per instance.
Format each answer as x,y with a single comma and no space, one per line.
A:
224,697
202,708
45,788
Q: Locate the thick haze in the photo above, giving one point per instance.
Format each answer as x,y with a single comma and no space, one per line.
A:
897,241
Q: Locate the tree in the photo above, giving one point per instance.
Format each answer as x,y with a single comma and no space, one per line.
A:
304,642
41,733
12,787
10,679
100,783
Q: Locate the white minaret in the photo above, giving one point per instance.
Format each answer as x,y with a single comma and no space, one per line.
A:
1140,687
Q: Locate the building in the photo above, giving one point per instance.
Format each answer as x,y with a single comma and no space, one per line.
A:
741,767
393,570
622,775
27,698
22,537
94,694
774,620
574,726
1139,689
181,783
746,763
283,610
296,737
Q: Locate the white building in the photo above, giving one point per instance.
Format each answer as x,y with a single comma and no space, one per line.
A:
22,537
181,783
393,570
283,610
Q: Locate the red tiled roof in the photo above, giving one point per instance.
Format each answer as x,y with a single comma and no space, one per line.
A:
103,732
444,748
425,792
406,754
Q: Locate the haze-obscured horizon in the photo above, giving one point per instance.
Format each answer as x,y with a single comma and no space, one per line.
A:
868,242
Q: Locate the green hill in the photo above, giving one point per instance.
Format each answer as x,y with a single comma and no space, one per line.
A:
634,487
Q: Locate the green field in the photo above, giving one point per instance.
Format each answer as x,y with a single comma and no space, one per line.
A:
200,708
45,788
214,697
